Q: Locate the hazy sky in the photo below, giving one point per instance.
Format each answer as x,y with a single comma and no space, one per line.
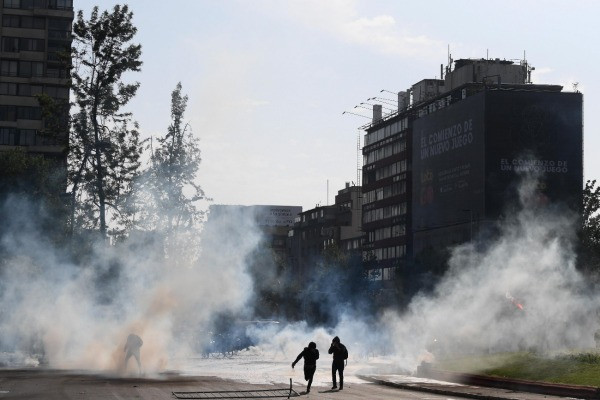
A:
268,80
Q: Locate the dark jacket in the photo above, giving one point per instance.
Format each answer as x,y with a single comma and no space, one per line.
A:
339,352
310,357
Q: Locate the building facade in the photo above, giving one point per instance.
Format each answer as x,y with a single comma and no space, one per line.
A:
445,166
334,226
35,40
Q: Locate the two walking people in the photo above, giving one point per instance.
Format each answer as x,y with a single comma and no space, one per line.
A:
311,355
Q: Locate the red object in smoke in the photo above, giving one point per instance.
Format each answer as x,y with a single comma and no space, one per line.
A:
514,301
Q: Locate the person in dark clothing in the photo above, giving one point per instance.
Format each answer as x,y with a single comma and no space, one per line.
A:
340,354
311,355
132,347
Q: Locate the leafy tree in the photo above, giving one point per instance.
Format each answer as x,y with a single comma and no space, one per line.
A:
104,141
589,257
173,195
37,181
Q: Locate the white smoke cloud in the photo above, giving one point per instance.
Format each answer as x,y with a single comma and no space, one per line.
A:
520,291
79,316
81,320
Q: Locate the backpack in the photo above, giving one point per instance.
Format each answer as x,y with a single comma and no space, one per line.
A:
345,352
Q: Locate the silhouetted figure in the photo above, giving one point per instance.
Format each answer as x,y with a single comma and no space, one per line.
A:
311,355
340,353
132,347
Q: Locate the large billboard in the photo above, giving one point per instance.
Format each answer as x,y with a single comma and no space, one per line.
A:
448,165
538,134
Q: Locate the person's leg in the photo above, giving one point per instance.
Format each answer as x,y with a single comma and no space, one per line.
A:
309,373
127,357
139,363
341,369
333,369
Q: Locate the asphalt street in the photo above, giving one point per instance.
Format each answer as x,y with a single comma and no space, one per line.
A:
67,385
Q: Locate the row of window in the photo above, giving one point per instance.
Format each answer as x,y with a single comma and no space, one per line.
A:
23,21
352,244
384,192
391,170
384,212
13,113
386,253
30,69
25,89
23,137
15,44
436,105
384,152
314,215
386,233
386,274
386,131
30,4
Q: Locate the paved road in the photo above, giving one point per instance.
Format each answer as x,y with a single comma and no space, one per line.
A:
55,385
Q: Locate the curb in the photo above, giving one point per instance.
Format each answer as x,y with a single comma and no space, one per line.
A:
420,388
583,392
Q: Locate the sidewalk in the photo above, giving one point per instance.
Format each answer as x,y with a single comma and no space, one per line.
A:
481,387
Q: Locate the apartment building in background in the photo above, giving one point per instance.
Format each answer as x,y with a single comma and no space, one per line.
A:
333,227
35,36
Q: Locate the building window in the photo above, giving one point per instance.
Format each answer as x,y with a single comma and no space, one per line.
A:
56,72
57,92
8,113
7,136
8,88
24,112
33,22
10,21
30,90
32,45
60,4
10,44
59,24
31,68
12,3
27,137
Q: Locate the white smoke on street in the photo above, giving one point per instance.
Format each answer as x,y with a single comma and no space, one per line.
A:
517,292
79,316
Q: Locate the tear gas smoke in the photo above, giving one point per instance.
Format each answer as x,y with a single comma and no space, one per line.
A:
78,316
50,305
551,307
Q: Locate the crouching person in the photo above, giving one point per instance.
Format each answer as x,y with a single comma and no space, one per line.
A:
311,355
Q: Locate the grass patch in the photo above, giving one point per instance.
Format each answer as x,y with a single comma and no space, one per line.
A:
572,368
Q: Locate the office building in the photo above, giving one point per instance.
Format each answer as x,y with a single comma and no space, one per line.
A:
443,168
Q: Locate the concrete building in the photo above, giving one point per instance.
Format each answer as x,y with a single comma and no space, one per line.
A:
332,226
444,165
33,37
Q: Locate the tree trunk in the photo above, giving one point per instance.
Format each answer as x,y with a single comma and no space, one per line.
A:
99,176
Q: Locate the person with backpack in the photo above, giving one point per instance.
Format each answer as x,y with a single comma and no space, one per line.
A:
340,354
311,355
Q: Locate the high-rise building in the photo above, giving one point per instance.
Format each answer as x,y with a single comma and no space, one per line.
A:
35,40
445,165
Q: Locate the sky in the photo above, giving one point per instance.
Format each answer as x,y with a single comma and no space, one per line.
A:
268,80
